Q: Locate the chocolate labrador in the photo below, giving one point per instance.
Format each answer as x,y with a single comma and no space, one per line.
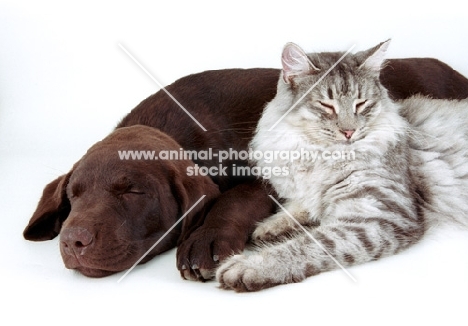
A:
110,210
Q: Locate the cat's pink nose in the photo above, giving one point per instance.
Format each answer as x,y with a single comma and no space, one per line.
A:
348,133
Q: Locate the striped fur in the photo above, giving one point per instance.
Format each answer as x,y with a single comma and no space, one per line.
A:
409,171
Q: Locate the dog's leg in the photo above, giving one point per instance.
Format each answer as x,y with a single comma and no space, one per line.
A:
225,231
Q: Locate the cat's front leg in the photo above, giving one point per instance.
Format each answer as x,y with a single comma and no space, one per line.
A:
272,264
281,224
256,272
244,274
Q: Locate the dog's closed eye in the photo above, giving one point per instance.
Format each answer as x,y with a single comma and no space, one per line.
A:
126,188
75,190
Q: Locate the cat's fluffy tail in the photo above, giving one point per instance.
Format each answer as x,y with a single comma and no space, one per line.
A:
439,142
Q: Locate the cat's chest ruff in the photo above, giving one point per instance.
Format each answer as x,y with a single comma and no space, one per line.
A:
307,179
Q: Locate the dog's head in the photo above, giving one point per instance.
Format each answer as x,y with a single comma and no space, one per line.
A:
110,210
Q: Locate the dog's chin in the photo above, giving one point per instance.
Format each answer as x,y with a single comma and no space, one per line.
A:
90,268
94,273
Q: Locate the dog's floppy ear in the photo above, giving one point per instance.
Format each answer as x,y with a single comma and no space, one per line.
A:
52,210
189,189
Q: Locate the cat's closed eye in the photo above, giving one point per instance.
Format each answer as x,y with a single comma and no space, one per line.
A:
362,106
328,107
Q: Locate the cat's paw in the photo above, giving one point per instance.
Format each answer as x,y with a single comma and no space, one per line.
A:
278,227
243,274
270,232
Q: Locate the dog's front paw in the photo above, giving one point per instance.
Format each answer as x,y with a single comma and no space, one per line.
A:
243,274
200,254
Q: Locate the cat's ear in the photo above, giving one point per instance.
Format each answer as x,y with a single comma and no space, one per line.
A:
374,57
295,62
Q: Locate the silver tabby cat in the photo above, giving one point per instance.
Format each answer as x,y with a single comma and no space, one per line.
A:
383,172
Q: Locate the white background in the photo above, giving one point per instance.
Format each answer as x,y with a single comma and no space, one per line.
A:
65,83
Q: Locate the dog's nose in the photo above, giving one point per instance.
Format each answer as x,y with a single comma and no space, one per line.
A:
75,240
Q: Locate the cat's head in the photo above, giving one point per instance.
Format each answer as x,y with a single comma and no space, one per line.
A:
338,94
